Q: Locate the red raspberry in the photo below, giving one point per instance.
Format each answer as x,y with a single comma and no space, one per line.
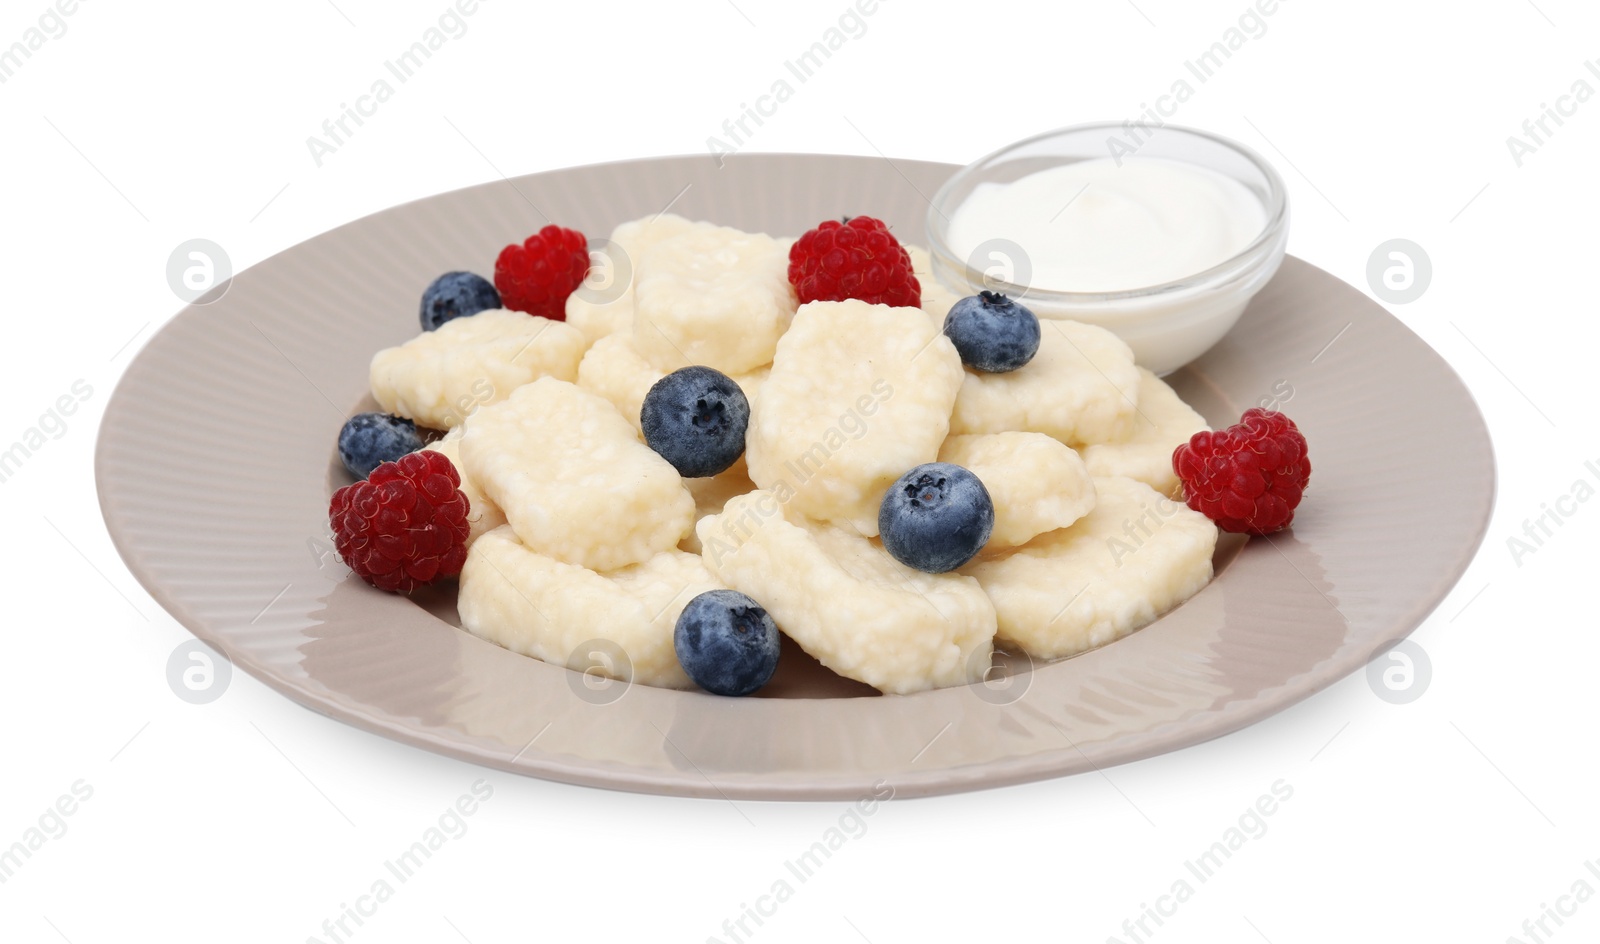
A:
858,258
537,276
1248,478
404,525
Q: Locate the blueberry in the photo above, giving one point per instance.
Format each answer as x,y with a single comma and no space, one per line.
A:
992,333
456,295
726,642
936,517
696,417
368,440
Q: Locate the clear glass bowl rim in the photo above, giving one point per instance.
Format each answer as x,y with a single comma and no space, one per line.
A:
1259,250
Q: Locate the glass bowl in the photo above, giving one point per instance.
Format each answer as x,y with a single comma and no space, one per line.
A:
1167,325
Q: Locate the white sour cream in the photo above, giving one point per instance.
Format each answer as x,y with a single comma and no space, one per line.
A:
1094,226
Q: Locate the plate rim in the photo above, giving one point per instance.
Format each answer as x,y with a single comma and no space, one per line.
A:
1164,738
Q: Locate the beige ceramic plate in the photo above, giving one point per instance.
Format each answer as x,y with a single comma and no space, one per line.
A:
216,460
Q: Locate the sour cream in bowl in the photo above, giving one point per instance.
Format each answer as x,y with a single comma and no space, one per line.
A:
1164,242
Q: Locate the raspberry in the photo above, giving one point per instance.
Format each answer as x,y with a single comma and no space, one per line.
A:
1248,478
405,525
537,276
858,259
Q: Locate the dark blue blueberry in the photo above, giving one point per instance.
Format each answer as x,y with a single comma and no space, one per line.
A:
992,333
936,517
368,440
696,417
456,295
726,642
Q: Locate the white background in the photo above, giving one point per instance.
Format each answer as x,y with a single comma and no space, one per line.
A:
1455,817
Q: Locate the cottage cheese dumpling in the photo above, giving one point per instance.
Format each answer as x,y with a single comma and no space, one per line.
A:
1137,555
858,395
1081,387
753,382
712,494
483,515
1162,424
1037,483
599,319
573,479
438,377
613,368
541,607
847,602
936,299
595,318
712,295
